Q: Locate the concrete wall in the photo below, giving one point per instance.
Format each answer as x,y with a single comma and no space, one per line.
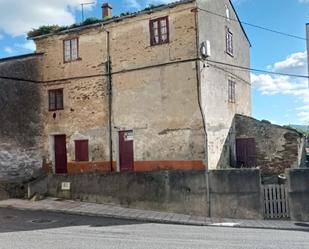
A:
277,148
218,111
298,188
158,103
20,126
233,193
236,194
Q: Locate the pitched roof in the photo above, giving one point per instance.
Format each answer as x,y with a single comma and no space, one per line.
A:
145,11
118,18
23,56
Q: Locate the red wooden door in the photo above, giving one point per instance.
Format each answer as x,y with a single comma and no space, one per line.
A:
246,152
126,153
60,154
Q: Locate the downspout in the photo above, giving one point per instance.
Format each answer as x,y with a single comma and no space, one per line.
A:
199,97
110,93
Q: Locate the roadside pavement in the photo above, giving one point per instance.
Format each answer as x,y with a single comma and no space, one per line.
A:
112,211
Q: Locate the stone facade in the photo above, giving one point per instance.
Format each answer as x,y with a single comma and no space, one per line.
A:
20,126
175,103
277,148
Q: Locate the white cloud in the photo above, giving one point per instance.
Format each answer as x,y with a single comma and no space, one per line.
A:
29,45
298,87
1,37
8,50
303,1
19,16
293,64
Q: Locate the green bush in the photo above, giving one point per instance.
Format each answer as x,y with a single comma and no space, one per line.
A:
43,30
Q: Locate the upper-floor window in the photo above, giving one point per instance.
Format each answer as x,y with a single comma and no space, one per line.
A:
229,42
159,31
70,50
227,12
232,91
55,98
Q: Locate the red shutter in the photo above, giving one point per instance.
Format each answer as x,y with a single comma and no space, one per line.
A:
81,151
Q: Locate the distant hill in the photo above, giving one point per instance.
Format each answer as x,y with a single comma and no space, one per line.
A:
304,128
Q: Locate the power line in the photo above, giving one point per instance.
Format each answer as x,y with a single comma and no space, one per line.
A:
259,70
256,26
170,63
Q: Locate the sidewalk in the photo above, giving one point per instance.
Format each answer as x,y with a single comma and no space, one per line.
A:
92,209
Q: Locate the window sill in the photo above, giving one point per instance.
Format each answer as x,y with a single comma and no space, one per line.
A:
55,110
78,59
158,44
230,54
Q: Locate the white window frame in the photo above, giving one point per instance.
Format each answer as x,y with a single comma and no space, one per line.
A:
70,50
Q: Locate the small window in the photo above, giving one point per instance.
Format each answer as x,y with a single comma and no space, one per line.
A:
81,151
55,98
232,91
70,50
227,12
159,31
229,42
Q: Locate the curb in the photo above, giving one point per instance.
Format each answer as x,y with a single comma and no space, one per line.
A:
156,221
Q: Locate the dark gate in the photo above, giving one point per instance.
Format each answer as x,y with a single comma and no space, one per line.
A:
246,152
60,154
126,153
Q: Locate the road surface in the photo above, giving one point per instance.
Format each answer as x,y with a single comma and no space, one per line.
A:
45,230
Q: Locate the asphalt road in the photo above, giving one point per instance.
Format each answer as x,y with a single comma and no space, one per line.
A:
44,230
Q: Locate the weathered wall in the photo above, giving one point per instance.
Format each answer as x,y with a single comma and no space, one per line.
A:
158,103
233,193
85,113
277,148
298,188
236,194
20,126
219,113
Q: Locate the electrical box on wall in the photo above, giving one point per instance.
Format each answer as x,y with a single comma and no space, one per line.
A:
205,49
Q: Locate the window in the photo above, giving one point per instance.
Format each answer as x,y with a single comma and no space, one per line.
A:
70,50
159,31
55,98
232,91
227,12
229,42
81,151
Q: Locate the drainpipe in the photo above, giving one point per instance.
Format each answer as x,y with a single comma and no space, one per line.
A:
199,97
109,75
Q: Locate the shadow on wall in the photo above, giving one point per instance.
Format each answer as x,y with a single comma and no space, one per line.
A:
20,126
259,144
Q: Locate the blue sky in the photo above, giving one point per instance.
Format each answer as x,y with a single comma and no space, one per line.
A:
282,100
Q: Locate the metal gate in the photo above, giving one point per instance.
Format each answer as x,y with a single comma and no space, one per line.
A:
276,204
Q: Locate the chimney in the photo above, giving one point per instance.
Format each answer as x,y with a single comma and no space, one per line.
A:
106,10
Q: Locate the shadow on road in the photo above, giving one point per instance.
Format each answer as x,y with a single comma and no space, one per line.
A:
12,220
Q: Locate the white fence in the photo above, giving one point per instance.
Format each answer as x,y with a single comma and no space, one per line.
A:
276,204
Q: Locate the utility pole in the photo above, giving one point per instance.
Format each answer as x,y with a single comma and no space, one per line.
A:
82,5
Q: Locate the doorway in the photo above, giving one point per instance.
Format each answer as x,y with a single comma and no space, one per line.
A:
60,154
246,152
126,153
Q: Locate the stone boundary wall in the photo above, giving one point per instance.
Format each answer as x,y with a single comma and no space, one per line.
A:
233,193
298,189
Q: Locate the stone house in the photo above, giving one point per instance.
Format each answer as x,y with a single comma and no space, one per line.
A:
146,91
164,97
